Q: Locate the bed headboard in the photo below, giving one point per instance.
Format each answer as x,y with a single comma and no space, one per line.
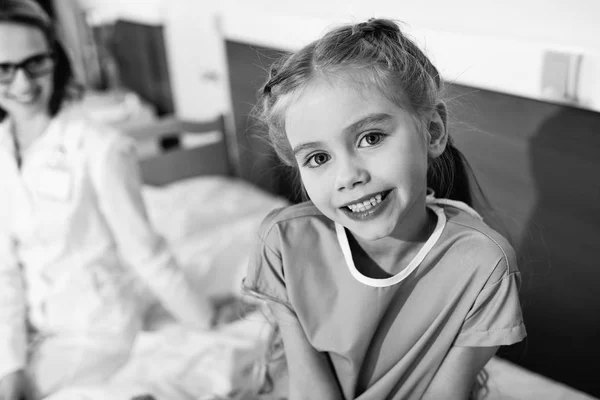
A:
183,149
538,164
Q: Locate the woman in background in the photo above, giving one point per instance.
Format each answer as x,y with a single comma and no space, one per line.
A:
72,223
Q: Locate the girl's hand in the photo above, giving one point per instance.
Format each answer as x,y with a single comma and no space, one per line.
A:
15,386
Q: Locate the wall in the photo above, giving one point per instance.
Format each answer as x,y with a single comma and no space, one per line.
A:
497,46
100,11
492,46
572,23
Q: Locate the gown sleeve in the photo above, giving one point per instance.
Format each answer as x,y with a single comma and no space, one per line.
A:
265,278
13,332
116,176
496,318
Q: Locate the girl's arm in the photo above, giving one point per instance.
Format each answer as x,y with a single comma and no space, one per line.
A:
310,373
457,374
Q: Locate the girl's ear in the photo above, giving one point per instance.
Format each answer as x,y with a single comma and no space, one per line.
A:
437,131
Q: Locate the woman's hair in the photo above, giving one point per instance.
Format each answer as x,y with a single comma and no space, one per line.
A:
370,53
30,13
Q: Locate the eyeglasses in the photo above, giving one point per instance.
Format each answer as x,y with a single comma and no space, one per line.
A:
35,66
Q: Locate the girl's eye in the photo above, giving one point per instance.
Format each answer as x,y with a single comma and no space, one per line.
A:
370,139
317,160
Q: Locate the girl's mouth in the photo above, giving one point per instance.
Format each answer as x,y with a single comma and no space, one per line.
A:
367,208
371,202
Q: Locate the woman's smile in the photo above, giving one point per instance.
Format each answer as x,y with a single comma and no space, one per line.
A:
27,98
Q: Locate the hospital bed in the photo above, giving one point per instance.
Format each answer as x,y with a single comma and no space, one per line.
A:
532,158
209,215
219,202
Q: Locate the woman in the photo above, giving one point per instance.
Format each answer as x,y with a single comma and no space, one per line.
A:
73,226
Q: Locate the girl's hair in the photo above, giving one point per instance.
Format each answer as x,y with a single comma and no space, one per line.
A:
370,53
30,13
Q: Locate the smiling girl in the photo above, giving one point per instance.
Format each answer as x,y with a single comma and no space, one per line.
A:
386,284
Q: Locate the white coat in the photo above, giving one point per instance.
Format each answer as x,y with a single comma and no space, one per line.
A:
74,236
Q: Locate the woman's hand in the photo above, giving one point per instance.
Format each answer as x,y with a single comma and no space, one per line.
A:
229,308
15,386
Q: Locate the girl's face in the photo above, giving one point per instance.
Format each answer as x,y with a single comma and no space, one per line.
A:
362,159
26,90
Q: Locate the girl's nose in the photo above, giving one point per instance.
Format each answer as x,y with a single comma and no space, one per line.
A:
351,173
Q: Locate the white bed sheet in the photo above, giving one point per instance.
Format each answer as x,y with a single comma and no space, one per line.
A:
210,223
178,364
508,381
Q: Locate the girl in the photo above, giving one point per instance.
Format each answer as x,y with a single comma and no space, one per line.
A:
380,289
72,222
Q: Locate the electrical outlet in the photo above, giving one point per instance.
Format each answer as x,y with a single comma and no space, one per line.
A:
560,76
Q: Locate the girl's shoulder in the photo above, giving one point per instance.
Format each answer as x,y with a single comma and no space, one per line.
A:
471,236
286,237
295,221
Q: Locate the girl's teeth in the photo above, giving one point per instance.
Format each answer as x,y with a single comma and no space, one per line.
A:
365,205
